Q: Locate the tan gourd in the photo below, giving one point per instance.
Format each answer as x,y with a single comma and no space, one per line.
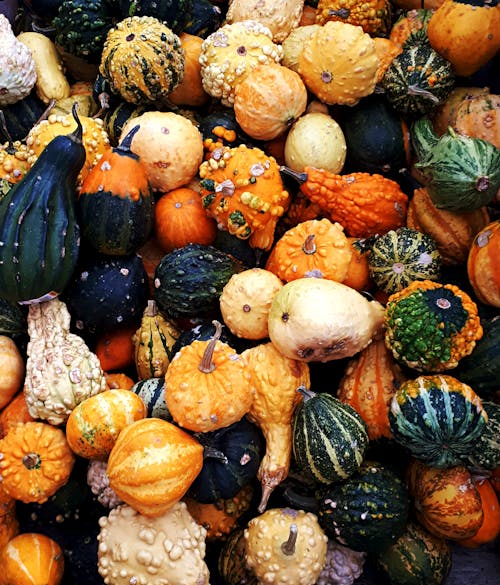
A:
11,370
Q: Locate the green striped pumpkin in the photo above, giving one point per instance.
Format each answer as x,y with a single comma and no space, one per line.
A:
401,256
368,511
438,419
152,392
486,454
329,437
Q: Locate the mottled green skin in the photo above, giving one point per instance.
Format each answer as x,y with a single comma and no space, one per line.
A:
174,13
486,452
368,511
421,327
12,319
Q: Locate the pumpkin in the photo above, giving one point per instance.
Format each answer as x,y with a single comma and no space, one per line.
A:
479,117
276,379
339,63
364,204
315,140
207,385
181,219
445,114
466,33
287,542
431,326
116,380
36,461
11,370
242,189
482,264
316,248
190,92
269,100
438,419
152,464
15,412
490,527
245,302
32,558
94,425
115,350
446,501
374,17
368,384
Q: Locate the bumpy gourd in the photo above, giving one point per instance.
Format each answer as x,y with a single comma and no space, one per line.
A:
61,371
136,549
343,565
373,16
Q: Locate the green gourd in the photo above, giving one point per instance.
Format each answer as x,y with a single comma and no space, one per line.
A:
39,233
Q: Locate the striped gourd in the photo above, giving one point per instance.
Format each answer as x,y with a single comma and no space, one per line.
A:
438,419
152,393
12,319
368,511
329,437
486,454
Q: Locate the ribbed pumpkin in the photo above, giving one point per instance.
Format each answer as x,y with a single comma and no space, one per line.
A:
483,264
152,465
438,419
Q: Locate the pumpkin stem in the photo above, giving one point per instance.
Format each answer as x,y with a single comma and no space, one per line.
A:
288,547
415,90
207,365
307,394
299,177
124,146
32,461
309,246
151,309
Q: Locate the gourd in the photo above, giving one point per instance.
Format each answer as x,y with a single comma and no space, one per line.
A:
36,461
9,524
207,385
482,264
204,330
11,370
315,319
245,302
368,511
466,32
152,464
445,501
231,52
399,257
445,114
368,384
329,438
409,22
490,527
42,268
364,204
98,482
292,45
32,558
438,419
132,547
343,565
61,370
478,116
142,59
338,63
242,189
374,17
189,91
275,379
94,425
444,325
51,82
116,116
18,118
285,545
152,393
486,454
231,563
174,13
115,352
461,173
15,412
206,18
17,66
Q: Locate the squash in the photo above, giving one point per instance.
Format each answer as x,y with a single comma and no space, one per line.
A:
9,524
15,412
15,162
18,118
342,564
292,45
206,18
276,379
231,563
444,325
32,558
152,464
374,17
364,204
152,393
174,13
490,528
115,350
409,22
438,419
368,511
329,438
445,114
189,91
36,461
486,454
479,117
466,32
482,264
115,116
315,319
12,370
207,385
95,423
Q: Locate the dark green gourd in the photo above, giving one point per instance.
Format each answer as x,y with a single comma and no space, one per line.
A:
174,13
39,234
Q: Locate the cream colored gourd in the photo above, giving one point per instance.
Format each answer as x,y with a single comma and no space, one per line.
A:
292,45
12,369
136,549
285,547
315,319
61,371
51,82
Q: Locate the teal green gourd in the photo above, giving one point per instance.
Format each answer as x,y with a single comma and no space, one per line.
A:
39,233
438,419
486,454
174,13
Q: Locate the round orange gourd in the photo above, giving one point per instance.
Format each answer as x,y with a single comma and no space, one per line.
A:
114,348
358,271
181,219
11,370
479,117
483,264
31,558
95,423
444,114
152,465
116,380
490,528
269,100
15,412
190,92
9,525
35,461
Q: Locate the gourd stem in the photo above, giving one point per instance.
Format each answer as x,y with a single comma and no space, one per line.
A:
207,365
31,461
307,394
299,177
415,90
309,247
77,134
152,308
288,547
482,184
124,146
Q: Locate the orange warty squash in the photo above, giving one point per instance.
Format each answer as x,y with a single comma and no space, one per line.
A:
444,114
11,370
479,117
373,16
490,528
483,264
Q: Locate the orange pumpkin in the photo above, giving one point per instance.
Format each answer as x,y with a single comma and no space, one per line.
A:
32,559
444,114
479,117
114,348
358,271
15,412
11,370
490,528
483,264
190,92
181,219
116,380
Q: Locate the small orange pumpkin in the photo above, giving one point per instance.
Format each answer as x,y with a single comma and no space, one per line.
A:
15,412
483,264
190,92
114,348
490,528
11,370
116,380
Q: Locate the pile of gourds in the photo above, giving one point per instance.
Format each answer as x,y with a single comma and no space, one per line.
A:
249,290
